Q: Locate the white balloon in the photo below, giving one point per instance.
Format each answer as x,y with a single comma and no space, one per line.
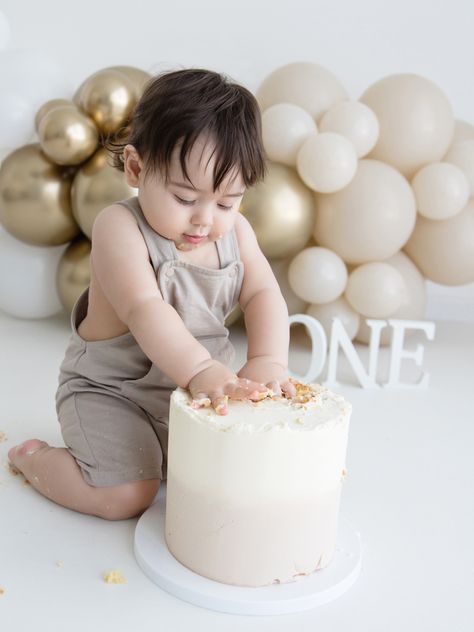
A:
462,130
441,190
461,154
375,289
284,128
326,162
4,31
355,121
28,278
16,119
317,275
339,308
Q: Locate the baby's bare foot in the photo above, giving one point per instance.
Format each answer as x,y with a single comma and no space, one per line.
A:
19,453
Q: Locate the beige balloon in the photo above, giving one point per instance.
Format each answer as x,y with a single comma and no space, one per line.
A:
326,162
355,121
284,128
463,131
35,204
339,308
96,185
317,275
413,305
441,190
73,275
67,136
375,289
49,106
444,249
461,154
371,218
294,303
416,121
281,210
309,85
108,97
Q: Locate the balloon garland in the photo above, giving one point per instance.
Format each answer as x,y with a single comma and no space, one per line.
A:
363,199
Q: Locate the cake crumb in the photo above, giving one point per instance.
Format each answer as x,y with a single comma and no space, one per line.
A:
114,577
299,420
3,437
8,465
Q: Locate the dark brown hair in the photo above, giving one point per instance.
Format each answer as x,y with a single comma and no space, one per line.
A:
182,104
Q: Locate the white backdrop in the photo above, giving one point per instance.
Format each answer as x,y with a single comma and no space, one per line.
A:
359,41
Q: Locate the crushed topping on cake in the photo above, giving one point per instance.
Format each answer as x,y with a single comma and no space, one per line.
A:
203,402
114,577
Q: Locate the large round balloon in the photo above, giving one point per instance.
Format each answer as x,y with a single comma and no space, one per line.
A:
441,190
96,185
35,202
375,289
108,97
137,76
73,274
416,121
311,86
281,210
339,308
413,303
444,249
317,275
461,154
27,287
284,128
294,303
326,162
371,218
67,135
355,121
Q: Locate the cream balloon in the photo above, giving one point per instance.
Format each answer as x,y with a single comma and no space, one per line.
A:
339,308
413,305
317,275
416,121
295,304
375,289
311,86
281,210
371,218
355,121
444,249
326,162
461,154
441,190
284,128
462,131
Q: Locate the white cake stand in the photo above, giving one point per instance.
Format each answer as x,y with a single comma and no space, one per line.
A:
309,591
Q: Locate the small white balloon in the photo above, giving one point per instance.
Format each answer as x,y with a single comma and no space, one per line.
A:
441,190
284,128
28,279
326,162
461,154
462,130
317,275
375,289
339,308
355,121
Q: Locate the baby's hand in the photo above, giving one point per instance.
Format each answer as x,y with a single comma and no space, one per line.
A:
216,383
271,373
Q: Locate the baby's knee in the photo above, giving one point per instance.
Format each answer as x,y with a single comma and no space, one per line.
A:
126,501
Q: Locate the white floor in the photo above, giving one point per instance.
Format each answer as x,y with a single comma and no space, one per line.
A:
409,491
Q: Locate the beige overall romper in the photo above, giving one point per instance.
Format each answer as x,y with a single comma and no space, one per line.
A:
112,401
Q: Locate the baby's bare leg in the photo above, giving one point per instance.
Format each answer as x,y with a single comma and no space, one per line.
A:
54,473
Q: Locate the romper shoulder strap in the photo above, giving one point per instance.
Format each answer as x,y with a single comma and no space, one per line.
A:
229,248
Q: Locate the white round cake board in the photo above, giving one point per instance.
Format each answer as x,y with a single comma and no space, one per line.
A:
309,591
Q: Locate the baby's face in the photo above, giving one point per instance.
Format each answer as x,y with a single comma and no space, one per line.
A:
179,210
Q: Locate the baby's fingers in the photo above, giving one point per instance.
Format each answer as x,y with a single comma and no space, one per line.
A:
219,403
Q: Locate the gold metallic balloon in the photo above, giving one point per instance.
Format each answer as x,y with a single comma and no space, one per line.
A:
67,135
97,184
108,97
73,274
138,77
282,211
48,107
35,204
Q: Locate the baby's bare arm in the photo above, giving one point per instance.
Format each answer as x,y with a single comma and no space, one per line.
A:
122,266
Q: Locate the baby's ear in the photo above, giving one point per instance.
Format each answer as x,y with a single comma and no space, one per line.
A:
132,165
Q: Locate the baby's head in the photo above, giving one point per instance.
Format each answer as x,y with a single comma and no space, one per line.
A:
192,146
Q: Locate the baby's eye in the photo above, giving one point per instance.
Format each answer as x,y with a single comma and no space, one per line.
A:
223,206
181,201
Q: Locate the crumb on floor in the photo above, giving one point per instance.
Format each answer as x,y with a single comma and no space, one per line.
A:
114,577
